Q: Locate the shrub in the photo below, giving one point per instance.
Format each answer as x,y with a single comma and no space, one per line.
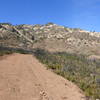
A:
76,68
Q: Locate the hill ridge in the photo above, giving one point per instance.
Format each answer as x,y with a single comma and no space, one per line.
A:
49,36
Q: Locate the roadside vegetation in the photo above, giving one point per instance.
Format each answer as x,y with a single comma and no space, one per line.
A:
76,68
8,50
5,52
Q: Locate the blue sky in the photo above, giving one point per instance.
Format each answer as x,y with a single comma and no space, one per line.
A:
84,14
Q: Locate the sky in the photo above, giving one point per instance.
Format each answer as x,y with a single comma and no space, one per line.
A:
84,14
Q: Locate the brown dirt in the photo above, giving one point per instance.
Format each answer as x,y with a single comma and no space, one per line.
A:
23,77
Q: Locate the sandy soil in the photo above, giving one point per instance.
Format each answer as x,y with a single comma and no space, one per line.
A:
23,77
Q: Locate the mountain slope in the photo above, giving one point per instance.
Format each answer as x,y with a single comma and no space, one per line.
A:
22,77
51,37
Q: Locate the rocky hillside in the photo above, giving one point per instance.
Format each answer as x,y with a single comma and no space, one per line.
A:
51,37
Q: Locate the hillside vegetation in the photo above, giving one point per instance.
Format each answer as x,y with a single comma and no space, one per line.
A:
9,50
76,68
49,36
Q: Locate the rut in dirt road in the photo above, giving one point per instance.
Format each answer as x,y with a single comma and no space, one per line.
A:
23,77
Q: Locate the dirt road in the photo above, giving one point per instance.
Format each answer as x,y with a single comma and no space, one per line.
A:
23,77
